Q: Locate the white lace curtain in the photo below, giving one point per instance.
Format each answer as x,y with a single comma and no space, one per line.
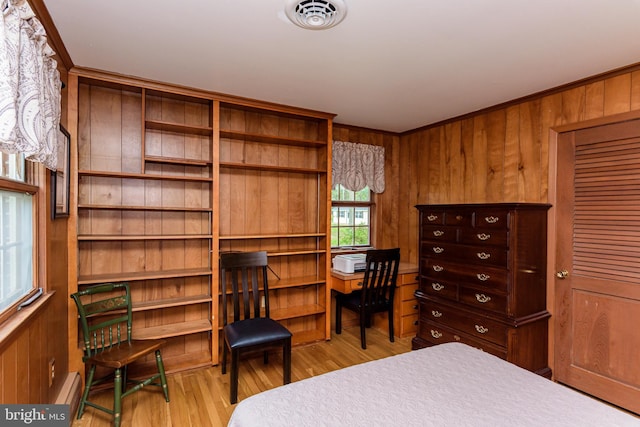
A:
356,166
29,86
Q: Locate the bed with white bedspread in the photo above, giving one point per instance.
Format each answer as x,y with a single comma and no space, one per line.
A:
446,385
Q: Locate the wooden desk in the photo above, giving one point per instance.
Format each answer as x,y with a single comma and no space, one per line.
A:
405,305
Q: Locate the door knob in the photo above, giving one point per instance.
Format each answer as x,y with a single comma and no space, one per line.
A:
562,274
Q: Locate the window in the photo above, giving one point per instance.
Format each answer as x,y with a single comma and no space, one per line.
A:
350,217
17,213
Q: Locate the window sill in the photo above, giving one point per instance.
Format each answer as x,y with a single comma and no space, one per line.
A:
14,324
350,250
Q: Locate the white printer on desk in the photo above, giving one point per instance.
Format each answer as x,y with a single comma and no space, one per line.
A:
350,263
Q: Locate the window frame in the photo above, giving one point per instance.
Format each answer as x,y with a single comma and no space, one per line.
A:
356,204
8,184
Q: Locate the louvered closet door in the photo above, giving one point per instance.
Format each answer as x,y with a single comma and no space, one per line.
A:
598,245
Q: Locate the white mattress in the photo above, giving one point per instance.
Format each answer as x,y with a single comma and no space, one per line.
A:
445,385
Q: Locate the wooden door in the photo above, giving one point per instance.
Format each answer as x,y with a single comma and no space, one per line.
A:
597,285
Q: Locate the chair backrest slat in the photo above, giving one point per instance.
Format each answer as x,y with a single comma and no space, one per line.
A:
246,274
103,308
380,276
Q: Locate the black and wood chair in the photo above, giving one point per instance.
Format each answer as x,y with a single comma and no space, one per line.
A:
377,293
243,278
106,319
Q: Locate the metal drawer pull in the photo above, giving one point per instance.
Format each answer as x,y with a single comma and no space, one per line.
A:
483,255
438,249
437,286
438,233
436,313
481,329
438,268
436,334
483,277
483,236
482,298
491,219
432,217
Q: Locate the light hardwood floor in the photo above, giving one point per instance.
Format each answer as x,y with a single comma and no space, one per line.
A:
200,397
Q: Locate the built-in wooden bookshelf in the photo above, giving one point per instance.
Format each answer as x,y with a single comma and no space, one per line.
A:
280,163
168,177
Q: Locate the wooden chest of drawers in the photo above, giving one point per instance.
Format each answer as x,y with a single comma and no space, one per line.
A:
482,280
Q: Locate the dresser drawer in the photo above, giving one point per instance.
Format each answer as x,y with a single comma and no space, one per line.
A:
432,217
439,233
467,323
436,333
439,288
481,255
461,218
485,277
483,299
483,236
491,218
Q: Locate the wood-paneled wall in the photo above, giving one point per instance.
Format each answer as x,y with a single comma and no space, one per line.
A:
496,155
25,355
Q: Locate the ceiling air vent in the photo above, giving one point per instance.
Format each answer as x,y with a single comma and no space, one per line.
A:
316,14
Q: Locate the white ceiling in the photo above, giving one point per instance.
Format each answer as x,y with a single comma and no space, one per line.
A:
390,65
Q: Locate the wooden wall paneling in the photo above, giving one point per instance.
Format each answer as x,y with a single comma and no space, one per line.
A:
407,214
467,131
106,128
131,157
23,366
617,94
551,116
635,90
530,177
496,134
594,100
480,163
511,153
453,160
9,385
573,105
434,191
36,366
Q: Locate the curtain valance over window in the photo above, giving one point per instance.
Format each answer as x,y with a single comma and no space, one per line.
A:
356,166
29,86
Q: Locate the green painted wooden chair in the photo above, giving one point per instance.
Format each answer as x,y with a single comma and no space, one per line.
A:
105,316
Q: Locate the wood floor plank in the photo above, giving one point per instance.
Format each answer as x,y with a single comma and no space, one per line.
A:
200,397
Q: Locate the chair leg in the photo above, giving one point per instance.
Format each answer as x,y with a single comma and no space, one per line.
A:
87,387
117,398
224,357
391,338
265,357
163,376
286,361
235,358
363,324
124,378
338,316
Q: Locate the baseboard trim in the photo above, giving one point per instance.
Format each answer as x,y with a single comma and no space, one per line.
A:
70,392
